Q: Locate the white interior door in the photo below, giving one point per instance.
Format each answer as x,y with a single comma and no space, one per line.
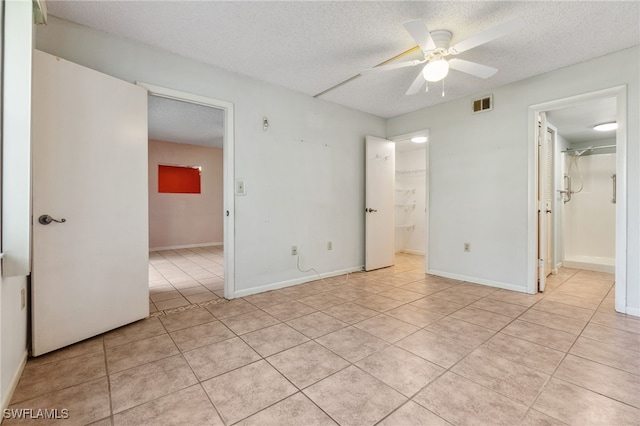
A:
544,207
379,203
89,155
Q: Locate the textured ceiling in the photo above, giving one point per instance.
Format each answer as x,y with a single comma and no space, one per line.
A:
311,46
576,123
175,121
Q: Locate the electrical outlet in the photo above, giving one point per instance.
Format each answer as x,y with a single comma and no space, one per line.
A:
467,247
329,245
23,299
294,250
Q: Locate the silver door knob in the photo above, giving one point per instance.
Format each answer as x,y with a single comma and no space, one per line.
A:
370,210
45,219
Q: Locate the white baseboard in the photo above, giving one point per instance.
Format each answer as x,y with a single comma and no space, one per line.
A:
633,311
185,246
588,266
296,281
416,252
6,399
475,280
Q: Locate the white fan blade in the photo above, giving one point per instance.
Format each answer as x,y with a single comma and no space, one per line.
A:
420,33
391,66
472,68
416,85
490,34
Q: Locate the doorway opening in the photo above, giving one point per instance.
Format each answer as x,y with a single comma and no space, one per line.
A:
411,195
191,219
579,189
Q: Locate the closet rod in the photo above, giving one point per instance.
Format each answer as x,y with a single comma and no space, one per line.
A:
589,148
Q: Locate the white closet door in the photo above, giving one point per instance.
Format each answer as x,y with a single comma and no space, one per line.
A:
89,138
379,204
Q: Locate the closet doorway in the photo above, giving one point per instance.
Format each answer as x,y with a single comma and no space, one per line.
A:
411,195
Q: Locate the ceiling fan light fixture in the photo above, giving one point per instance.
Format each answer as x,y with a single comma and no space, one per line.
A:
419,139
435,70
604,127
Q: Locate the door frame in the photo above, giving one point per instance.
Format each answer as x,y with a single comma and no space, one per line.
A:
228,172
408,136
620,93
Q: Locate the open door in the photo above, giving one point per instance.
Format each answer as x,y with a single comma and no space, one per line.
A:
90,203
544,202
379,203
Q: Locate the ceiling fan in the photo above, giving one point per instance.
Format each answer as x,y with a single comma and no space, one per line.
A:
435,47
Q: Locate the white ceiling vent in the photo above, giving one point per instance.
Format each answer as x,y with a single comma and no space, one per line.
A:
482,104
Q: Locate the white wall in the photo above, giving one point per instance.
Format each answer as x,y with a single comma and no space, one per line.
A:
479,172
179,220
410,189
590,217
304,177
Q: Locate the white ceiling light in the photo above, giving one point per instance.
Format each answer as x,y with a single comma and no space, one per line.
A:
419,139
435,70
604,127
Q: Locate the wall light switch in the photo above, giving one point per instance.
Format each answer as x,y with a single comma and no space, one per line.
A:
240,188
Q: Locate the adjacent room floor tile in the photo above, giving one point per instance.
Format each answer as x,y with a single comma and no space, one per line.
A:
231,308
354,398
483,318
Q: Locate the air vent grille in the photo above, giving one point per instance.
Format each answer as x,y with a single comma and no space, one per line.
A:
482,104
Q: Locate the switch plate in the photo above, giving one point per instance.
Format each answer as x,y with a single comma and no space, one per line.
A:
240,188
294,250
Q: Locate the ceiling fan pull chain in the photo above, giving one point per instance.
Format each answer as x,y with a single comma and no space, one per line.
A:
426,89
443,87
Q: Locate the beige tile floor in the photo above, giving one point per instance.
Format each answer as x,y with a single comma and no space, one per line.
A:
185,276
389,347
